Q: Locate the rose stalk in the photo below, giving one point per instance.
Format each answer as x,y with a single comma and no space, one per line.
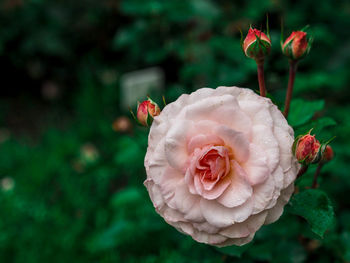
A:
296,47
257,45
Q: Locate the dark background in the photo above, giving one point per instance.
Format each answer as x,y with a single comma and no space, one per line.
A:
71,158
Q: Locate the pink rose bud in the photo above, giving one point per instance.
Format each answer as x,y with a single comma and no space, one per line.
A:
306,149
328,154
146,111
256,45
296,45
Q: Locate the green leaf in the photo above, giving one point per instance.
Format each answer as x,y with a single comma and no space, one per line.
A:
302,111
317,125
315,206
235,251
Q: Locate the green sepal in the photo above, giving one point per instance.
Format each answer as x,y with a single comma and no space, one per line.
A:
282,35
164,102
242,39
267,26
295,143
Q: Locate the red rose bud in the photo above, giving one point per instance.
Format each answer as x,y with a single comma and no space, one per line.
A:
146,111
328,154
306,149
296,45
256,45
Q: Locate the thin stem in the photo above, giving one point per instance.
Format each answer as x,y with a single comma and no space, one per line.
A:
302,170
292,72
318,170
261,78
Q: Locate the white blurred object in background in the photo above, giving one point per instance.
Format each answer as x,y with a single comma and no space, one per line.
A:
136,85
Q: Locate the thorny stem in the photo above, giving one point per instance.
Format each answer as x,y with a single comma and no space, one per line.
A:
260,65
302,170
292,72
318,170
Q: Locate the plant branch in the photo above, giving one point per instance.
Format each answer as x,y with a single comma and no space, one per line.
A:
292,72
302,170
318,171
261,79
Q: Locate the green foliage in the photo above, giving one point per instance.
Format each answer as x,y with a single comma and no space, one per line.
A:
235,251
315,206
302,111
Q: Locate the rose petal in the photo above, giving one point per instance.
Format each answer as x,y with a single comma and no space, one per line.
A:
168,185
239,190
236,140
275,212
244,229
236,241
256,166
175,145
201,140
188,204
224,110
214,193
221,216
264,137
155,194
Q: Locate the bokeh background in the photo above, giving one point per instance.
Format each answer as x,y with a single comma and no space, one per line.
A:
71,158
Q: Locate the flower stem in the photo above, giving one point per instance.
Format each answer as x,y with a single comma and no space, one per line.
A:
318,170
260,65
302,170
292,72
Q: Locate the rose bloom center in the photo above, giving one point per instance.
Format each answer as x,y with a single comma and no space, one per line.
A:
212,163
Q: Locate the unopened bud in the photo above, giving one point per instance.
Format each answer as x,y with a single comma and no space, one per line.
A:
328,154
296,45
146,111
256,45
306,149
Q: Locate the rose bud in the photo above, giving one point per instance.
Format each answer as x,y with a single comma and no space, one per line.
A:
256,45
328,154
306,149
146,111
296,45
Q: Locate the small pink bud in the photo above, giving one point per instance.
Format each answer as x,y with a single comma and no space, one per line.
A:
146,111
256,45
307,149
328,154
296,45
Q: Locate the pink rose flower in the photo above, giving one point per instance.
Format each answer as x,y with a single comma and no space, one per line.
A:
219,164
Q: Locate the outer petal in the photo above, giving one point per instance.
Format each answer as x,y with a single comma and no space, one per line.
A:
275,212
221,216
224,110
256,166
176,144
244,229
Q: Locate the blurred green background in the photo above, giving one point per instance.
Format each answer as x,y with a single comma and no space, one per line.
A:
71,158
